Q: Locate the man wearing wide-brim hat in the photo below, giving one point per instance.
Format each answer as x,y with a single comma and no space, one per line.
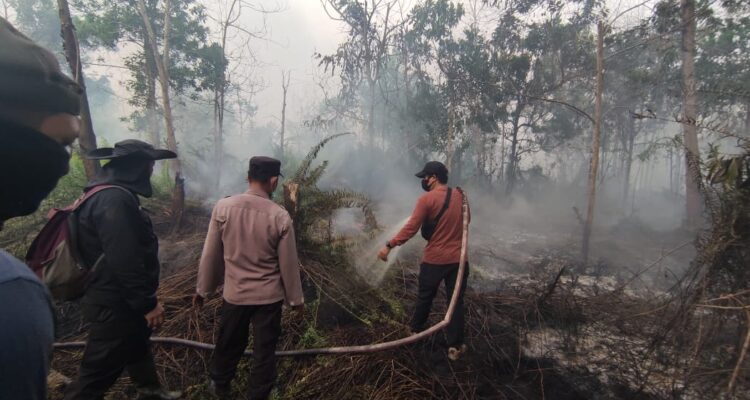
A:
120,304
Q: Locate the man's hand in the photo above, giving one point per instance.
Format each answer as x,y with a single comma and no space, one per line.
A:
155,317
198,301
383,254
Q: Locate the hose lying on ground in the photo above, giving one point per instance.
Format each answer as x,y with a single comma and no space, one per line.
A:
369,348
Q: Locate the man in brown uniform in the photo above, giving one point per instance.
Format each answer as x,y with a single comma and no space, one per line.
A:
250,247
439,213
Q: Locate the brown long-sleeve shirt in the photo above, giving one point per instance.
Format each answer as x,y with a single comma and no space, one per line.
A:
250,247
445,245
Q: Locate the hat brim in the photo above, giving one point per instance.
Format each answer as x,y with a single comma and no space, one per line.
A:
421,174
108,153
161,154
268,176
102,153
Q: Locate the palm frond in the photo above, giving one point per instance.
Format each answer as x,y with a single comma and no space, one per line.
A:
314,176
301,174
324,203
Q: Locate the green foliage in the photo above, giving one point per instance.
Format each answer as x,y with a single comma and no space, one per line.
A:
39,20
195,65
18,233
312,338
162,182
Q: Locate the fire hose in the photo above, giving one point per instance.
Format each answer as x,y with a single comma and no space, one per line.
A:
370,348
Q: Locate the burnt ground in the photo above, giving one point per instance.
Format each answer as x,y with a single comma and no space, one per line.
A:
531,334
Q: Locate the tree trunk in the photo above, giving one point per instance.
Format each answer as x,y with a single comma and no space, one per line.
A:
512,171
450,148
218,134
501,173
152,118
690,129
593,167
285,79
670,151
162,63
371,115
220,102
87,138
456,167
629,142
747,116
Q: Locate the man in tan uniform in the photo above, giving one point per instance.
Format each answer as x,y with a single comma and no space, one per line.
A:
250,248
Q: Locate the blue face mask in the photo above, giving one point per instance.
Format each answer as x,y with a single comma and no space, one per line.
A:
32,163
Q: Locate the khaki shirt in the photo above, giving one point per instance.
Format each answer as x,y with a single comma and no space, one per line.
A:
250,247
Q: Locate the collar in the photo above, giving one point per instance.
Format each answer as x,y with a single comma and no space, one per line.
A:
259,193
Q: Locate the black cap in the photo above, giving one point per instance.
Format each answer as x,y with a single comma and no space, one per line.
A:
31,78
130,148
264,167
433,168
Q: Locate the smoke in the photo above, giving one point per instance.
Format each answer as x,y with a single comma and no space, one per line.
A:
539,215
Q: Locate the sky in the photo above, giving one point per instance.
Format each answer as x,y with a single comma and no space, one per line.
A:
287,38
300,29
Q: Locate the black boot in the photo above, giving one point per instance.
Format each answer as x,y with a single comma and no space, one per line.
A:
220,391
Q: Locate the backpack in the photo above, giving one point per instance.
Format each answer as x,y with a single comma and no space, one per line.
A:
428,226
54,256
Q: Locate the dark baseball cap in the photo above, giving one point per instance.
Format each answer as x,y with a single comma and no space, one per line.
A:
433,168
131,148
262,167
31,78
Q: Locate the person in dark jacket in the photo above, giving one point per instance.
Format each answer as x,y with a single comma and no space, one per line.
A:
115,236
39,109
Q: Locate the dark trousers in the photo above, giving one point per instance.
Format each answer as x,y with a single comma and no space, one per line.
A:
117,341
232,342
430,276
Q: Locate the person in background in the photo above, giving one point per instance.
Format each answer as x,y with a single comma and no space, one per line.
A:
120,305
39,109
250,248
439,212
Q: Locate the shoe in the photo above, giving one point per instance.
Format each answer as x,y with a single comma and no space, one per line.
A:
455,352
158,394
219,391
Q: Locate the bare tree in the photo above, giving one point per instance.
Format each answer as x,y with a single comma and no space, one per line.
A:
86,138
285,80
690,109
595,142
371,31
162,66
220,92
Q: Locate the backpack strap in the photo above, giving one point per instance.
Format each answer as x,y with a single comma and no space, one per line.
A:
73,221
446,204
96,189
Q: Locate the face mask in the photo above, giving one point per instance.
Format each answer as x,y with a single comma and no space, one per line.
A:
134,173
426,185
32,163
